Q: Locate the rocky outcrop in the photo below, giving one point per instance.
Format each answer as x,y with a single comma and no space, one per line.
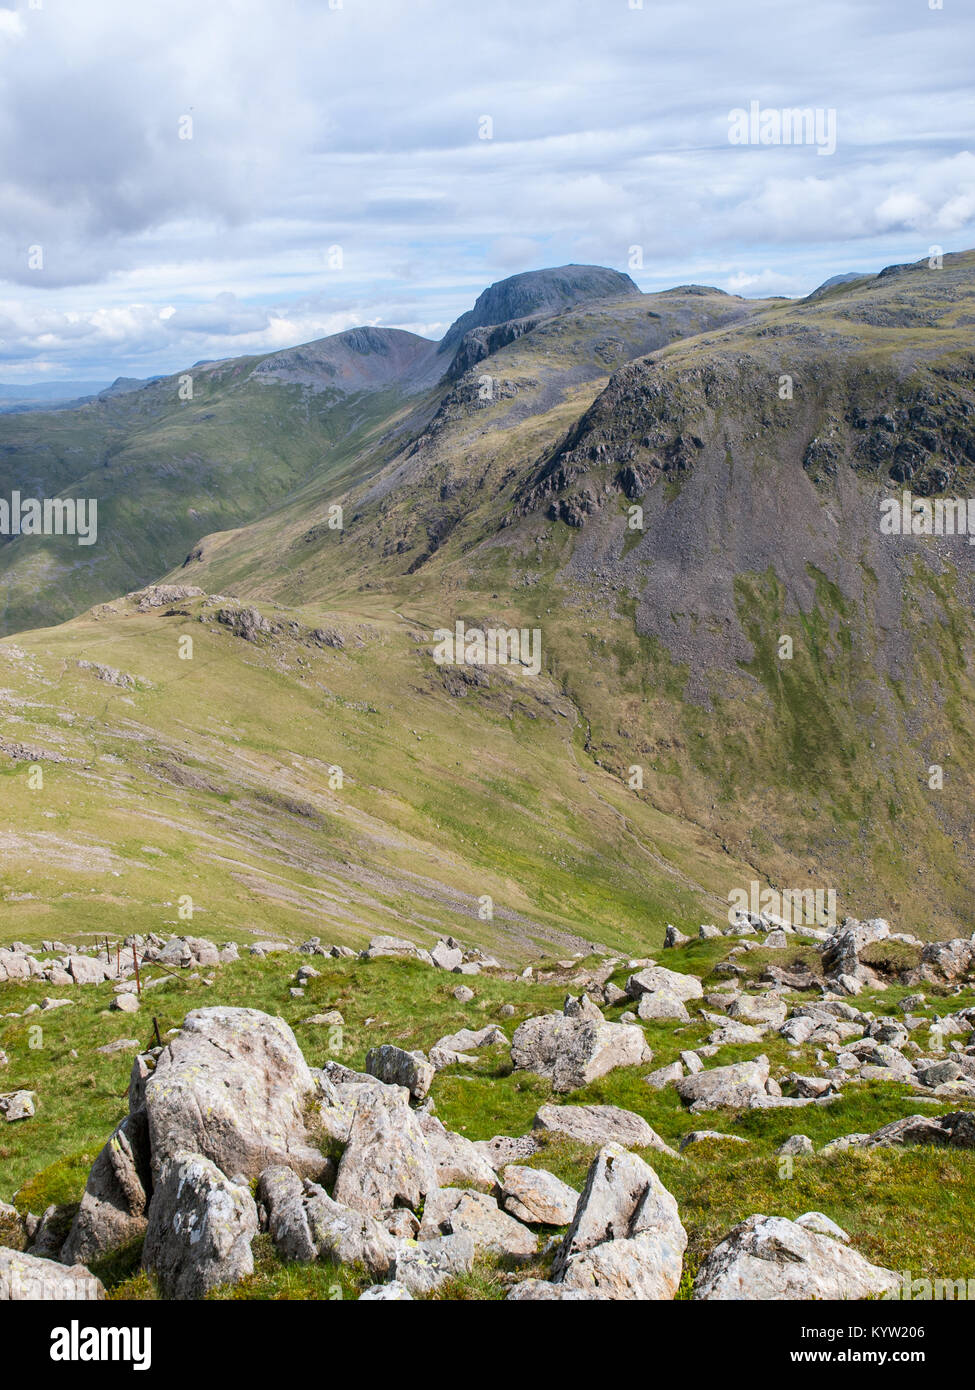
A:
626,1239
768,1257
575,1051
232,1086
200,1228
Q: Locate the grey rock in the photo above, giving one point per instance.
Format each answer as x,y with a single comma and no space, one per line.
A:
600,1124
422,1266
661,1004
394,1292
24,1278
626,1238
387,1161
201,1225
733,1086
232,1086
456,1211
537,1197
573,1052
398,1068
655,977
115,1203
768,1257
665,1076
306,1224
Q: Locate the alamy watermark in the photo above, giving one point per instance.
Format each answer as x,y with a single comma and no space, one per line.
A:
50,516
908,515
790,125
492,646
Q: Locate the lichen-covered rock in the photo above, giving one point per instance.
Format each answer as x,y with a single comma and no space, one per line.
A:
396,1067
455,1211
600,1124
422,1266
306,1224
232,1086
626,1238
735,1086
200,1229
387,1161
537,1197
115,1203
655,978
575,1051
768,1257
457,1161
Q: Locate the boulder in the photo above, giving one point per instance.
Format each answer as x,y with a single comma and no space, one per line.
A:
306,1224
447,955
573,1052
393,1292
86,970
733,1086
956,1131
626,1238
114,1206
795,1144
945,962
387,1161
674,938
232,1086
537,1197
26,1279
200,1229
457,1161
422,1266
760,1008
665,1076
504,1149
17,1105
768,1257
655,977
600,1124
541,1291
705,1136
469,1040
455,1211
398,1068
395,946
663,1005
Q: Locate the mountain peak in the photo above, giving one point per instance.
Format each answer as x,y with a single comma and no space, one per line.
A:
539,292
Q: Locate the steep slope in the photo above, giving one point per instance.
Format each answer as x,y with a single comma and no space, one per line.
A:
759,452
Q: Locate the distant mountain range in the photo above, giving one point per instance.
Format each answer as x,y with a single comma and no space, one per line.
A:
744,677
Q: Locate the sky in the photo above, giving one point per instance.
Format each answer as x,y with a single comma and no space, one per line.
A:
210,178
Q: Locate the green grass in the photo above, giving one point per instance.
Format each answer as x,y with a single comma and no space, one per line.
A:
45,1160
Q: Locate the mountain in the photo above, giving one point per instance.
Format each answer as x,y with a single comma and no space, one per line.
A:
255,431
538,293
45,395
760,686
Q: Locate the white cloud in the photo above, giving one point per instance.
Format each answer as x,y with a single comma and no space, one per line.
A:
358,127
